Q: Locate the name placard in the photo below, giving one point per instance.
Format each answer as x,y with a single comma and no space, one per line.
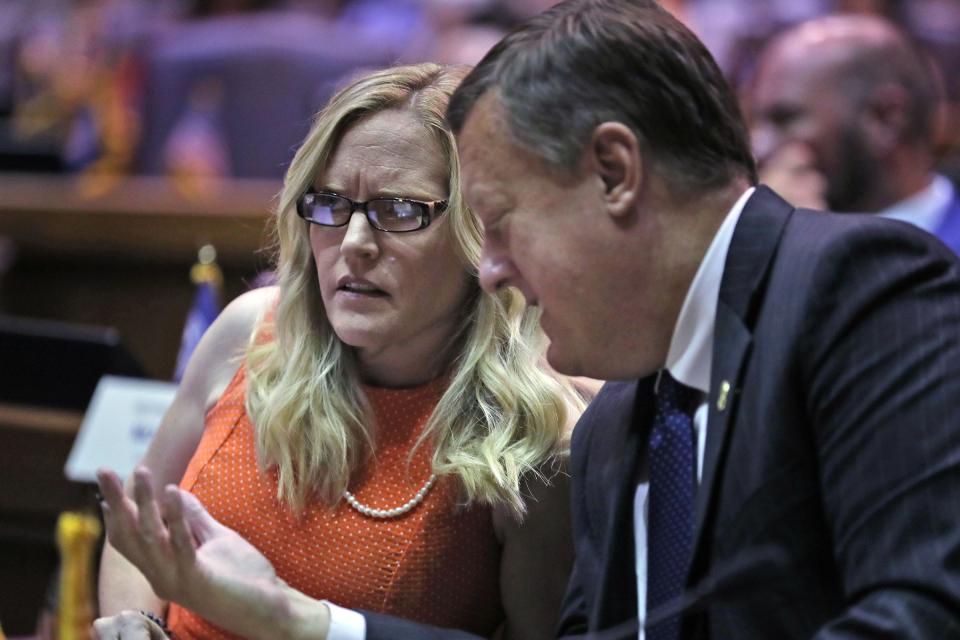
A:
123,415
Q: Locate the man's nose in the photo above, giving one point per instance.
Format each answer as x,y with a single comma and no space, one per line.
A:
495,272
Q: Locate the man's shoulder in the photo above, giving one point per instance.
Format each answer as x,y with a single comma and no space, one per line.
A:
818,235
824,227
614,396
770,223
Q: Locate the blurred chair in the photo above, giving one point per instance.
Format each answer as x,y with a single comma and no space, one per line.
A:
273,70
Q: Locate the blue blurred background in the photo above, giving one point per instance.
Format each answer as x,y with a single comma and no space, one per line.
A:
227,87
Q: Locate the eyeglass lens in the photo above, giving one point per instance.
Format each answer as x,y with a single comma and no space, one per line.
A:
389,215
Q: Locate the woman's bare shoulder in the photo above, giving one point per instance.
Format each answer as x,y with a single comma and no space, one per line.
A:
237,321
212,365
220,351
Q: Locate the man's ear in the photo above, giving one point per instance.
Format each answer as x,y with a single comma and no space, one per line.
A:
615,158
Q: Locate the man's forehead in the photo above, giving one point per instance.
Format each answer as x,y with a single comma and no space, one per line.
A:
487,144
484,127
483,143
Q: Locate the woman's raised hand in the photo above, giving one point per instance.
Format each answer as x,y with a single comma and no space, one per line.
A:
188,556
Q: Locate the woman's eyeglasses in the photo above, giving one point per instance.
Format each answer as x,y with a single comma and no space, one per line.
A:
394,215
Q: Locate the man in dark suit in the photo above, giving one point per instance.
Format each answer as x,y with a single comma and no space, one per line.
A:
846,104
800,370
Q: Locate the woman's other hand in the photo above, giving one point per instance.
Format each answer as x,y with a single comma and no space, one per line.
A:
127,625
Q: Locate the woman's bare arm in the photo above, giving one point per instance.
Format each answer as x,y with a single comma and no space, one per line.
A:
193,560
212,366
537,559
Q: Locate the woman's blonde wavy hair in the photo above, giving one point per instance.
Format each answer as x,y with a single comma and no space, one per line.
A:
503,414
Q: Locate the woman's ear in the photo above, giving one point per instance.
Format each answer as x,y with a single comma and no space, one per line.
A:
616,159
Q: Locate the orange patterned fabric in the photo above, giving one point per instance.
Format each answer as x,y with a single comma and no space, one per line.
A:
438,563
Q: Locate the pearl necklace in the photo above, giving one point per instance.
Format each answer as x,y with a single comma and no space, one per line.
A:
396,511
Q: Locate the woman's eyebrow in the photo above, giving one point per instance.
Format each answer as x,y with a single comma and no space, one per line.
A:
385,193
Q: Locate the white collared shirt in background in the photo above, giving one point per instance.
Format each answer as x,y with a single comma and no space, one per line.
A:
925,209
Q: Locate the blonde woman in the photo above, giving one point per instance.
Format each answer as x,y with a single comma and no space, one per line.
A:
389,441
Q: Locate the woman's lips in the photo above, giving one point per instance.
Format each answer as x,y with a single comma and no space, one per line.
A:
361,290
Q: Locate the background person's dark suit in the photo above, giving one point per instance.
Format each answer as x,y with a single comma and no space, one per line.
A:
835,463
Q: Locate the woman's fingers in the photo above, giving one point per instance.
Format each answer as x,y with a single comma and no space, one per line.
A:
103,629
181,538
198,519
119,512
127,625
110,486
152,529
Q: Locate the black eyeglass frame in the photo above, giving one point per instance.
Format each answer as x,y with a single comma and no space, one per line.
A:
431,210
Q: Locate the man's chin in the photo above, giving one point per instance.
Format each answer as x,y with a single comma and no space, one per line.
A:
564,363
599,367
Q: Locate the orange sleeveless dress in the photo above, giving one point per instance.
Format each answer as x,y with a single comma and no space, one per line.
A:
437,564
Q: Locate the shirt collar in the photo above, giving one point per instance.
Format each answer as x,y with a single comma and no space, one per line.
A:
925,208
691,347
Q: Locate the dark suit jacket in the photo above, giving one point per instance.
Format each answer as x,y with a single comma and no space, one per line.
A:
830,500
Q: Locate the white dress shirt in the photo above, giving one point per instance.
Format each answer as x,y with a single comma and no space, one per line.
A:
345,624
688,361
925,209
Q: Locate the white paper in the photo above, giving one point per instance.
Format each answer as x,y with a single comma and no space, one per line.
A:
123,415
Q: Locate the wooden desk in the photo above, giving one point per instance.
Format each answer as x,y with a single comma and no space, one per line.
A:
122,257
34,444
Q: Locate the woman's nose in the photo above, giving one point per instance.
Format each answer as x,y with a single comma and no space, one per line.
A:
360,239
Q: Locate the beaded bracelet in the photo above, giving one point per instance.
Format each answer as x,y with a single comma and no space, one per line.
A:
157,620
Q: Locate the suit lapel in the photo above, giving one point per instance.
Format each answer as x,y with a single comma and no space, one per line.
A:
729,357
751,251
621,451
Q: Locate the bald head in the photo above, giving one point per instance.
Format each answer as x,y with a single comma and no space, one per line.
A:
839,36
853,89
859,55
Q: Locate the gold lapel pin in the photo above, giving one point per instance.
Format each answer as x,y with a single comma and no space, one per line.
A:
722,396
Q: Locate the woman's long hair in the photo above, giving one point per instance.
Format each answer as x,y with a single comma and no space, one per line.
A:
503,414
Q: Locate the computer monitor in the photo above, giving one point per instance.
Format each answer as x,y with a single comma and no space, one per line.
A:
57,364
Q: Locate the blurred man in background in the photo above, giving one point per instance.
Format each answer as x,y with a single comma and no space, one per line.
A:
844,117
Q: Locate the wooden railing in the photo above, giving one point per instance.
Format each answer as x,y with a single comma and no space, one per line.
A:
109,252
118,252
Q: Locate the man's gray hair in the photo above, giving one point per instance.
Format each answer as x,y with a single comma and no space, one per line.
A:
586,62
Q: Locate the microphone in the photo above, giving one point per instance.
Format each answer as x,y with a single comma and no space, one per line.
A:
738,578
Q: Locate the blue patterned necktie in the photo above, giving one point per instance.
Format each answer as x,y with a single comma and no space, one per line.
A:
670,501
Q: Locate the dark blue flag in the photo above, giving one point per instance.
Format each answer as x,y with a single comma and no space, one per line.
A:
203,311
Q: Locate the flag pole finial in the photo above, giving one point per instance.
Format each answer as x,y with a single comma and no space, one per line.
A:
206,269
